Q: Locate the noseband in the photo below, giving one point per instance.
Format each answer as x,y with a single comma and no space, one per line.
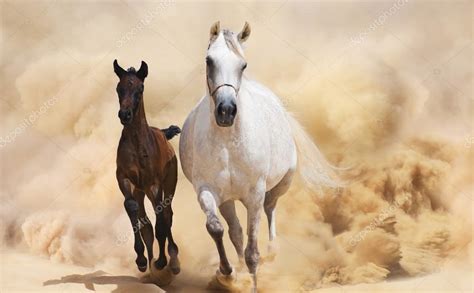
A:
222,85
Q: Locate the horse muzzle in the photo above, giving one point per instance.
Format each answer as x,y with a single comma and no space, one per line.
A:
225,113
126,116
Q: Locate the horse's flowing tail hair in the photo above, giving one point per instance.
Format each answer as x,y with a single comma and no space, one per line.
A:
313,168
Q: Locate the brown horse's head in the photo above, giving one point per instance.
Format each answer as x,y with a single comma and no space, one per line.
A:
130,90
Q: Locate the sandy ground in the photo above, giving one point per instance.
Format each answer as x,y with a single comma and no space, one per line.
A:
42,275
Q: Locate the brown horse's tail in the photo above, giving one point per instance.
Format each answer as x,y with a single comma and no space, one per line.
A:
171,131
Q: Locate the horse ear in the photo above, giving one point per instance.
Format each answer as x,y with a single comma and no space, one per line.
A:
143,71
245,33
118,70
215,30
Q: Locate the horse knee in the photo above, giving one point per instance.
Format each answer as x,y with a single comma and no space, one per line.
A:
215,228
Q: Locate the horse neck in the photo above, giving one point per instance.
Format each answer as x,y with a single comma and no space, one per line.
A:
138,129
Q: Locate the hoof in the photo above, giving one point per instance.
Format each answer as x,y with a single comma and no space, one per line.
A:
141,263
174,265
142,269
230,283
161,277
226,281
160,263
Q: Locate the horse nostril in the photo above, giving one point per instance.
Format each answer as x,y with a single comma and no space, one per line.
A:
220,109
234,110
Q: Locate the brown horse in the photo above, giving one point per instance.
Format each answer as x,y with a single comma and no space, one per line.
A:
146,164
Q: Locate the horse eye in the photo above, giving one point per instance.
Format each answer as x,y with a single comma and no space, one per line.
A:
245,66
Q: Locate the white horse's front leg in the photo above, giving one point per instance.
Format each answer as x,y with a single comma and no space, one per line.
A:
215,228
254,205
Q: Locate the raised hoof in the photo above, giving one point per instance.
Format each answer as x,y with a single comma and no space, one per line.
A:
174,265
160,263
141,264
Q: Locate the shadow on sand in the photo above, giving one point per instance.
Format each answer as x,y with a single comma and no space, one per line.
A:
124,283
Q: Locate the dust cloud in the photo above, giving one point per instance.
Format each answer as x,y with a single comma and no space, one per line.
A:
385,89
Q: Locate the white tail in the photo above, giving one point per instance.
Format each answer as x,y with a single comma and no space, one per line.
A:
313,168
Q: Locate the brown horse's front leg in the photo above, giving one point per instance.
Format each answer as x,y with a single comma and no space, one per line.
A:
132,208
146,229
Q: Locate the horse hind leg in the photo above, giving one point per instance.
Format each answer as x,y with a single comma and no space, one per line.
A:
145,227
160,229
227,210
252,255
271,199
169,188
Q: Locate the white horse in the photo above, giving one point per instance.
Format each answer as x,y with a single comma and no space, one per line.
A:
239,143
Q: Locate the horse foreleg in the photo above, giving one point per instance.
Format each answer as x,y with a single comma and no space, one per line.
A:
132,209
235,230
146,229
215,229
254,207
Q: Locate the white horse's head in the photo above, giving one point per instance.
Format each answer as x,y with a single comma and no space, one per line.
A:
225,66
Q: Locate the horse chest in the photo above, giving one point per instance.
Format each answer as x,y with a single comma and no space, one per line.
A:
140,168
229,168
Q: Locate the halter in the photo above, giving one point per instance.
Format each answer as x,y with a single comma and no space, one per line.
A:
224,84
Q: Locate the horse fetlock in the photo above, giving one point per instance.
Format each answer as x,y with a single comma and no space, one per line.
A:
175,265
161,262
252,257
173,249
225,268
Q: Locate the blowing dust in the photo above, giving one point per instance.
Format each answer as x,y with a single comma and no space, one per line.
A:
394,108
